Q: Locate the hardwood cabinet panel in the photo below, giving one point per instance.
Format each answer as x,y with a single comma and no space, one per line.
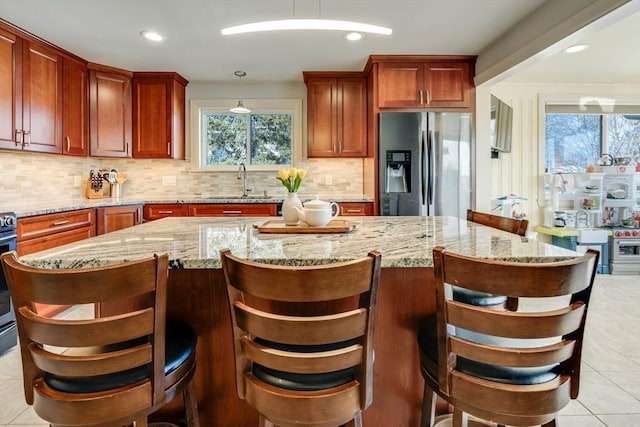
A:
236,209
117,217
157,211
41,226
10,90
355,208
336,114
159,115
30,95
428,83
75,127
41,99
110,121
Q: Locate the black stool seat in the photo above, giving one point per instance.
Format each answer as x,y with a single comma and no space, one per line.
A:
180,345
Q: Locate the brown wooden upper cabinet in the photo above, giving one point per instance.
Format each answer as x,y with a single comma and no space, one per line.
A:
75,116
336,114
30,95
110,122
159,115
431,82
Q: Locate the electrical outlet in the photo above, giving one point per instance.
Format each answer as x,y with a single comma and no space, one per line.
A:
77,180
169,181
328,179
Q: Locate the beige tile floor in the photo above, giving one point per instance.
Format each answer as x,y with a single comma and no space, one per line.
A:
610,381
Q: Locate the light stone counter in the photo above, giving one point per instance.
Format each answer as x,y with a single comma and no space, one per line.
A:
194,243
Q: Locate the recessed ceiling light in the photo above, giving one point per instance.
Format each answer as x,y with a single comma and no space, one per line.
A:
576,48
353,36
305,24
153,36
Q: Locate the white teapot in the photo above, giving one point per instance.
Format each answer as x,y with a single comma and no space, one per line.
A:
317,213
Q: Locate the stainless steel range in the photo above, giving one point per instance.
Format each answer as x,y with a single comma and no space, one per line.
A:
7,317
624,244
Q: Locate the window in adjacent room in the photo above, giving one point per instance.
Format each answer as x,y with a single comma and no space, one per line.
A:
577,136
264,139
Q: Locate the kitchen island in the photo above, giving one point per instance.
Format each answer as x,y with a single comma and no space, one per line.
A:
197,291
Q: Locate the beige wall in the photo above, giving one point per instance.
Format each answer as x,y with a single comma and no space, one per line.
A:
520,172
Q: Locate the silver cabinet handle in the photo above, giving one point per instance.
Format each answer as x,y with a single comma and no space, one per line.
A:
421,97
169,149
57,223
165,212
428,97
27,134
68,143
18,136
232,212
353,210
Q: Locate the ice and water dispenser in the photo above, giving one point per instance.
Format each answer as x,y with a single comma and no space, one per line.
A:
397,197
398,172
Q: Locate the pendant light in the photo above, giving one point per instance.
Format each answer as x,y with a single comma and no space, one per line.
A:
306,24
240,108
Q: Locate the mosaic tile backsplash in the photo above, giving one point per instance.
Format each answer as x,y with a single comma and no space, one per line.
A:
33,177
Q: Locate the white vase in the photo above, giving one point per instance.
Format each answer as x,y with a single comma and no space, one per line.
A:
289,213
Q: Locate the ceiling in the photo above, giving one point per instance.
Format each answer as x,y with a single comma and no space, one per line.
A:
108,32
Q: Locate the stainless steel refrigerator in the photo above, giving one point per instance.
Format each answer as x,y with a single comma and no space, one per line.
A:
425,164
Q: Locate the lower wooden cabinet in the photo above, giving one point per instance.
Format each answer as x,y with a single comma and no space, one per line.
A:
40,232
118,217
163,210
356,208
238,209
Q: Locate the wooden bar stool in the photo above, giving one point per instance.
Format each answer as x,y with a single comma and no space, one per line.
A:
304,339
117,369
509,368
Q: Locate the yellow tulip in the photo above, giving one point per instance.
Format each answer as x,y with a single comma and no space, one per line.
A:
292,172
302,173
283,174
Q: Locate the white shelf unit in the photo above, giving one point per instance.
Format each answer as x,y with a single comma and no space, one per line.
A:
626,189
589,196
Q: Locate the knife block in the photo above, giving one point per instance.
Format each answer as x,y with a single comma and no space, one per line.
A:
94,194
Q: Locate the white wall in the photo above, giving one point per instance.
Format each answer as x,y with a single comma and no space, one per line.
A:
520,172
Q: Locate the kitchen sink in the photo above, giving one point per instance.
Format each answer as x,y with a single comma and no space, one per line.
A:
592,235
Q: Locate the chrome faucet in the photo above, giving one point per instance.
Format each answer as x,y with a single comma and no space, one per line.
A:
586,218
242,174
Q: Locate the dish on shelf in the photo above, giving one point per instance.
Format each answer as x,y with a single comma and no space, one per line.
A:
592,190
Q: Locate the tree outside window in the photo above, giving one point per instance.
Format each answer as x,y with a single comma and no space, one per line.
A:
575,141
255,139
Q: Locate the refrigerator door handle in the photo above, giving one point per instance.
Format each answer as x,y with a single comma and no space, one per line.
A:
430,177
423,164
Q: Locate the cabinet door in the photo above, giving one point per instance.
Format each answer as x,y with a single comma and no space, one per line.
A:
237,209
322,117
75,129
109,114
352,118
10,91
41,99
400,84
157,211
116,218
159,116
447,84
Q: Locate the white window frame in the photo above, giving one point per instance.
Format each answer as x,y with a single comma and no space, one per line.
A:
608,103
222,106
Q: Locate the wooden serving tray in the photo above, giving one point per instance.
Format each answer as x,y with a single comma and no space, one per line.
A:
278,226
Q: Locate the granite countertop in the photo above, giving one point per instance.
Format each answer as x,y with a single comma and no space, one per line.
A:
54,206
195,242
